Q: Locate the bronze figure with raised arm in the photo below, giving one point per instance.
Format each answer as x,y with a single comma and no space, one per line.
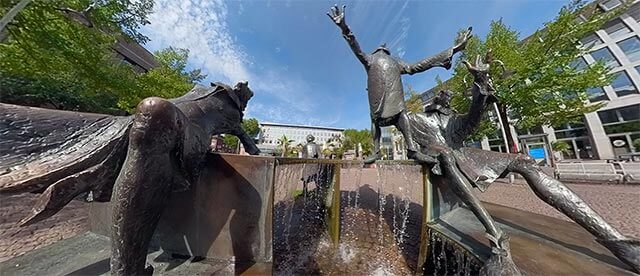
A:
384,85
439,132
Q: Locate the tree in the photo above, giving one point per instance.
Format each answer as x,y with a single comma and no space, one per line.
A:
413,100
353,138
285,145
176,60
544,83
296,150
49,43
250,126
60,54
561,146
169,80
334,145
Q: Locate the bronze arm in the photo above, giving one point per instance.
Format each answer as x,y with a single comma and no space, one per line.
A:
442,59
338,17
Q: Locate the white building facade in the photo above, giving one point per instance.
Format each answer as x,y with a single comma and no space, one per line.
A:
270,133
611,130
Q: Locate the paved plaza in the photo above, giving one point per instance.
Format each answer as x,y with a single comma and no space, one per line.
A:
618,204
15,240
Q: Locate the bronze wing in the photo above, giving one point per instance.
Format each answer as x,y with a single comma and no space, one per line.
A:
60,154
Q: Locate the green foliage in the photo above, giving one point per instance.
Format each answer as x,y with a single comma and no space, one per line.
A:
541,87
561,146
293,152
636,144
60,54
250,126
285,146
353,137
622,127
231,141
413,101
486,128
176,60
297,193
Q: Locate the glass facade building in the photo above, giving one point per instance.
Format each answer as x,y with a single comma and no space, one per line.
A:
611,130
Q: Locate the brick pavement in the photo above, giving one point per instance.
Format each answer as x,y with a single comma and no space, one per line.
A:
15,240
618,204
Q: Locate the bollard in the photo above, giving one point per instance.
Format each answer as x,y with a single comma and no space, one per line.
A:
426,219
333,205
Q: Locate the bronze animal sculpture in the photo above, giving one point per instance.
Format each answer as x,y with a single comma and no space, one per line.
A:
384,85
160,149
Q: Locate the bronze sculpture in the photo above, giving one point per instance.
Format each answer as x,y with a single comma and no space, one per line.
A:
439,132
384,85
65,155
311,149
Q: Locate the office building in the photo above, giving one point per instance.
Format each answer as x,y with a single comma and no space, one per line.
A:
270,133
610,131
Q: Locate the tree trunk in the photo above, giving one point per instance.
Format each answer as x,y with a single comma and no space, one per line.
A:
502,109
9,17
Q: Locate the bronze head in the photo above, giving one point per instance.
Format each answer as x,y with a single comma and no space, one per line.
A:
382,48
310,138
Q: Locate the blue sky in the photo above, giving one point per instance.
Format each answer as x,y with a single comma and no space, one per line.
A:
296,61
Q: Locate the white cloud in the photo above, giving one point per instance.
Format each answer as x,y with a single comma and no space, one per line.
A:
202,28
391,27
398,42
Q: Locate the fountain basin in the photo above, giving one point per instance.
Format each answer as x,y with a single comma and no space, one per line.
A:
253,215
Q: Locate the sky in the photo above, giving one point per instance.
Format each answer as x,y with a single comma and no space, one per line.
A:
297,63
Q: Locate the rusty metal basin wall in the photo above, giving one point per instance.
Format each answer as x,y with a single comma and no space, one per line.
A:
227,215
443,200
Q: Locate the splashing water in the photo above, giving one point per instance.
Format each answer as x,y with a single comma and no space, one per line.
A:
380,221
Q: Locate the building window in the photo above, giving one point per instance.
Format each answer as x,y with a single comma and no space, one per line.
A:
630,113
616,28
578,64
604,55
621,120
608,5
622,125
622,84
597,94
590,41
570,130
634,12
529,131
631,48
608,116
496,143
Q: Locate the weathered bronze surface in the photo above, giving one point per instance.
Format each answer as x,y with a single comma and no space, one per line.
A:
541,245
226,216
311,149
158,150
439,132
384,85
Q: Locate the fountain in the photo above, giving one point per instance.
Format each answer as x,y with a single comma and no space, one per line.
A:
187,211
